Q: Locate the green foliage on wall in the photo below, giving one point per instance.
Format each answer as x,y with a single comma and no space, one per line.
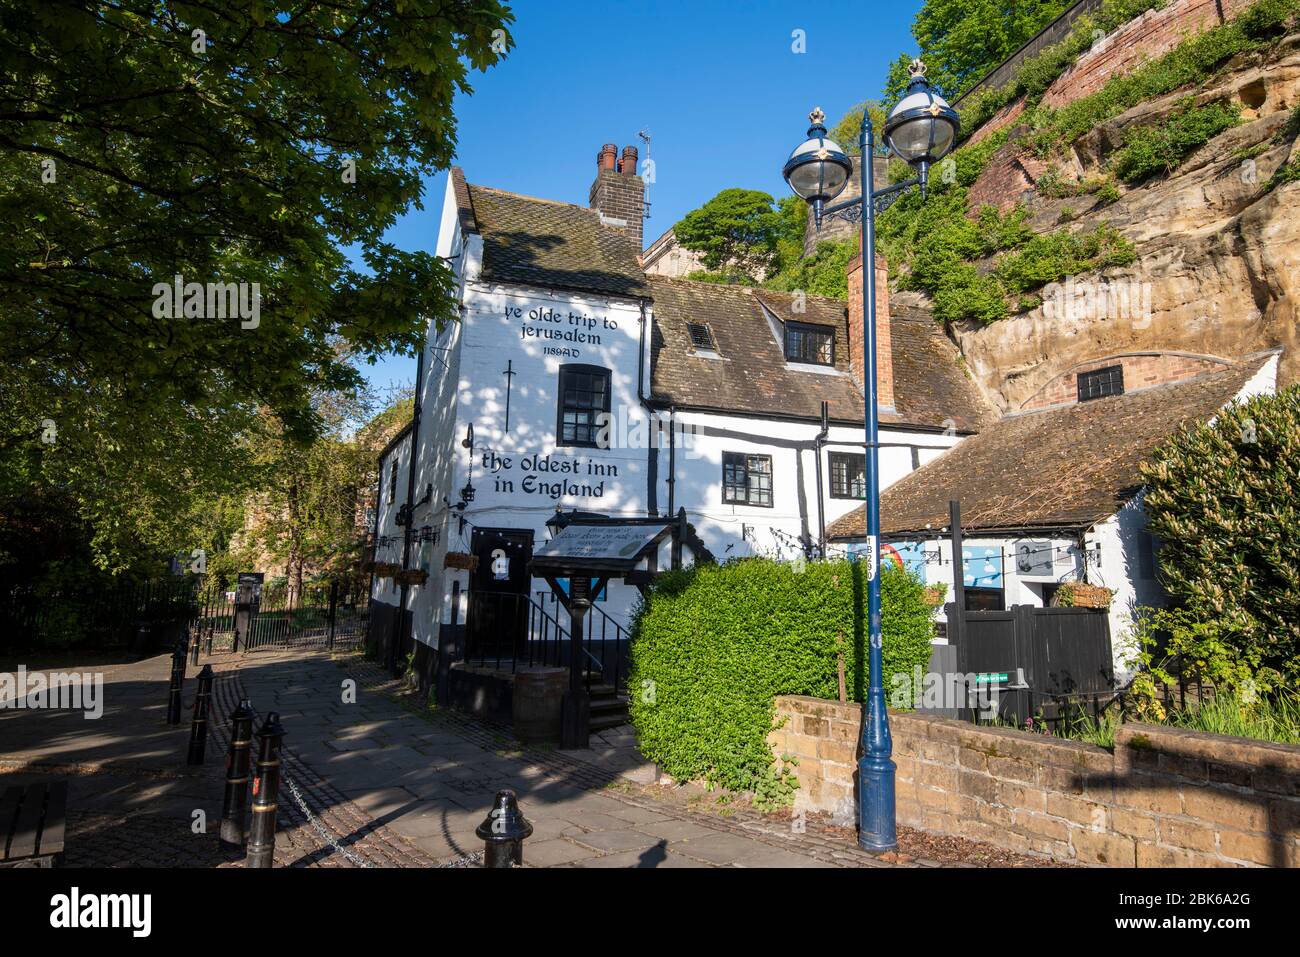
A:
821,274
1192,62
1224,499
972,268
714,645
1151,150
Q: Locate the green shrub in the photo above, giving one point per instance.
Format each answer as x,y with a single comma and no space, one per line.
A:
1149,150
1224,499
712,647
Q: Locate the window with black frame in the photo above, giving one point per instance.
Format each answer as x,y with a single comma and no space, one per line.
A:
584,396
1100,383
746,479
392,484
808,343
848,475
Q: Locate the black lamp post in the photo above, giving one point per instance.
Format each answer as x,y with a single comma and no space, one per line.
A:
921,129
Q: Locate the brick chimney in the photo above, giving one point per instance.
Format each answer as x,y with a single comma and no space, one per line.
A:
884,342
618,193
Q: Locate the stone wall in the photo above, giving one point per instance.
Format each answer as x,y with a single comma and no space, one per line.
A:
1165,797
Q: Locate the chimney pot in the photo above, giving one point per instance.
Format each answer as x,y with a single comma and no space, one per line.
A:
607,157
627,165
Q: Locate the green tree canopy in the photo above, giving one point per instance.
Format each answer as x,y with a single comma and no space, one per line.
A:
227,143
962,40
737,232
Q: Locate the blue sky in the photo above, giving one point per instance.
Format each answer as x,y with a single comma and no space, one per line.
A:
716,83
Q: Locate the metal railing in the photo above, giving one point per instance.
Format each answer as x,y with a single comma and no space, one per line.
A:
507,631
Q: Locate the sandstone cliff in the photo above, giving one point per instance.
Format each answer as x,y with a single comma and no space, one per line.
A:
1218,250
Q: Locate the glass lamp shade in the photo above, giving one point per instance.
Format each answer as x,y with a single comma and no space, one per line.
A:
818,169
922,127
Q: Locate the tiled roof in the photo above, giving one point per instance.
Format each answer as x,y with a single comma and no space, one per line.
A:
1065,467
543,243
752,375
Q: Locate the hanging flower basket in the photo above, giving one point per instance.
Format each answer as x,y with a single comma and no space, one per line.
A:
1082,595
461,560
411,576
387,569
934,595
367,567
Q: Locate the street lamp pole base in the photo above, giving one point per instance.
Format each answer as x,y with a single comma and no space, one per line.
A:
876,832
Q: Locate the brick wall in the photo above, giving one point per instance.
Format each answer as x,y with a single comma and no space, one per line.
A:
1145,38
1140,372
1009,173
1166,797
884,341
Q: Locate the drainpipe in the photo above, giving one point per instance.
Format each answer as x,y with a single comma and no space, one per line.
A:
818,443
403,629
672,457
652,422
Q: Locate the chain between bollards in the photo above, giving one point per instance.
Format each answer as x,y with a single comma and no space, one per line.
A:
177,681
237,764
266,793
503,832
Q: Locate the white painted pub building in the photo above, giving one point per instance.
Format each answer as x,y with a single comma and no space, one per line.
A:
575,381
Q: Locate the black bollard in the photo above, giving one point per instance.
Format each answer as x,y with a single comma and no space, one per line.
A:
503,832
177,681
211,628
233,807
194,646
266,793
199,726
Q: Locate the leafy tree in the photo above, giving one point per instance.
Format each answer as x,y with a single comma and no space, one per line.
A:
227,143
1224,499
962,40
845,132
737,231
305,512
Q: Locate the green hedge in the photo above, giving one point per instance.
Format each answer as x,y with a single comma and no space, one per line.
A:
714,645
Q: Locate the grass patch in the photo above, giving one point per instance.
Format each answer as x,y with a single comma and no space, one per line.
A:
1275,718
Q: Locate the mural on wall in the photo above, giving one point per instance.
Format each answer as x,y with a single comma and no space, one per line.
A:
982,566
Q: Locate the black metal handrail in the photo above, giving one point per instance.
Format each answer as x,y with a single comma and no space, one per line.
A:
495,619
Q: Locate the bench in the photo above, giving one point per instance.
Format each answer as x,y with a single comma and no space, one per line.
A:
33,820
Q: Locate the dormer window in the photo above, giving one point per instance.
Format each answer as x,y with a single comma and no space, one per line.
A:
1100,383
701,336
809,343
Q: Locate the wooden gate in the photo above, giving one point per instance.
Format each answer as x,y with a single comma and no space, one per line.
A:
1065,653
